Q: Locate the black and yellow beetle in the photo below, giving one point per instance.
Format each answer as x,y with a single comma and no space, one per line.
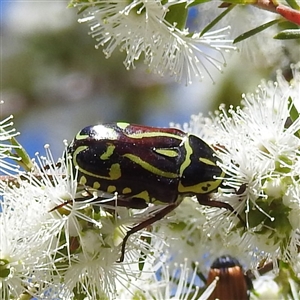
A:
146,165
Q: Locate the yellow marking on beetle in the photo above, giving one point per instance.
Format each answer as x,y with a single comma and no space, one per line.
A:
114,171
111,189
82,180
202,187
187,160
78,150
153,134
207,161
143,195
107,154
126,190
122,125
166,152
157,201
150,167
96,185
81,136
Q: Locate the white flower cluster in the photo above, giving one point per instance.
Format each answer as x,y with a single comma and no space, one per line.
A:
7,133
258,144
59,240
53,243
144,29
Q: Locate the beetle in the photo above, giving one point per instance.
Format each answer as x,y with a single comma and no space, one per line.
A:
146,165
233,282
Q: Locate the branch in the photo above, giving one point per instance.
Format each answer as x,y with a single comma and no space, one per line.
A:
288,13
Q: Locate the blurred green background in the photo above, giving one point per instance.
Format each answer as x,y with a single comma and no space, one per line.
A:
55,82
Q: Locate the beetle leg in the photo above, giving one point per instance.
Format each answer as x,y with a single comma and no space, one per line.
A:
157,216
241,190
136,203
89,195
60,205
205,200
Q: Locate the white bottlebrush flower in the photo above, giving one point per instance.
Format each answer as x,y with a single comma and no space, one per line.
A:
201,234
165,280
21,261
141,28
7,133
183,230
259,148
253,50
270,285
265,287
54,244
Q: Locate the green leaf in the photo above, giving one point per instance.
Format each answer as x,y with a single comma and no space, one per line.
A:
293,4
241,1
217,19
4,268
294,114
177,14
255,31
141,263
288,34
147,239
82,9
21,153
286,25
